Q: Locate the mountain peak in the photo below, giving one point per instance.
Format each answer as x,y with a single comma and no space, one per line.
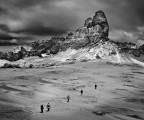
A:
96,26
100,23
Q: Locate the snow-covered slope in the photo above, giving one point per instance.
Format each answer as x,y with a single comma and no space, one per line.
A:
104,51
2,62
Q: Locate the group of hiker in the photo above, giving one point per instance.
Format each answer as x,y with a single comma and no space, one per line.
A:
48,107
68,99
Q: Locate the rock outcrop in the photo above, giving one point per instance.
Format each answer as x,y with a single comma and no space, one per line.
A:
51,46
14,56
100,24
88,23
96,26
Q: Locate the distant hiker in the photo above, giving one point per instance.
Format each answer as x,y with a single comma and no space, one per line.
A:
68,98
42,107
95,86
81,92
48,107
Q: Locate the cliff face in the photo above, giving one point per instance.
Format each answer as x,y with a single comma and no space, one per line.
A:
94,30
90,42
98,26
100,23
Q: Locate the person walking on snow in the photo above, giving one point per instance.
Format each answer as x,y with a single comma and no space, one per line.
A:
81,92
68,98
95,86
48,107
42,107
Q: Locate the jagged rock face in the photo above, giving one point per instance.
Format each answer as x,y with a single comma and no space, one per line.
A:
141,49
98,29
88,22
81,32
98,26
75,44
52,45
100,23
12,56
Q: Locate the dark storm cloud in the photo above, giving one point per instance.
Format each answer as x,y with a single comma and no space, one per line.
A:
5,36
4,32
9,37
42,31
3,11
41,15
138,6
35,18
126,20
39,18
125,14
22,3
4,27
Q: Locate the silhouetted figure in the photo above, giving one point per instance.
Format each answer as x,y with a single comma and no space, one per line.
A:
81,92
95,86
42,107
48,107
68,98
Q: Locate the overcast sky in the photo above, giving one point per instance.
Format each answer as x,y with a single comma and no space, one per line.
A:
26,20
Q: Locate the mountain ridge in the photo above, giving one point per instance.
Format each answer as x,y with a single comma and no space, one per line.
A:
87,43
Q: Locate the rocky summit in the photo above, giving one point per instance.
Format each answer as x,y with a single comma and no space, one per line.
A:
89,42
98,26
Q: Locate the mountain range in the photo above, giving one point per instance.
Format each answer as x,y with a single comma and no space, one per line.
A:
88,43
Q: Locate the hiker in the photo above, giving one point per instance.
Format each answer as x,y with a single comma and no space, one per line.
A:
48,107
95,86
81,92
42,107
68,98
